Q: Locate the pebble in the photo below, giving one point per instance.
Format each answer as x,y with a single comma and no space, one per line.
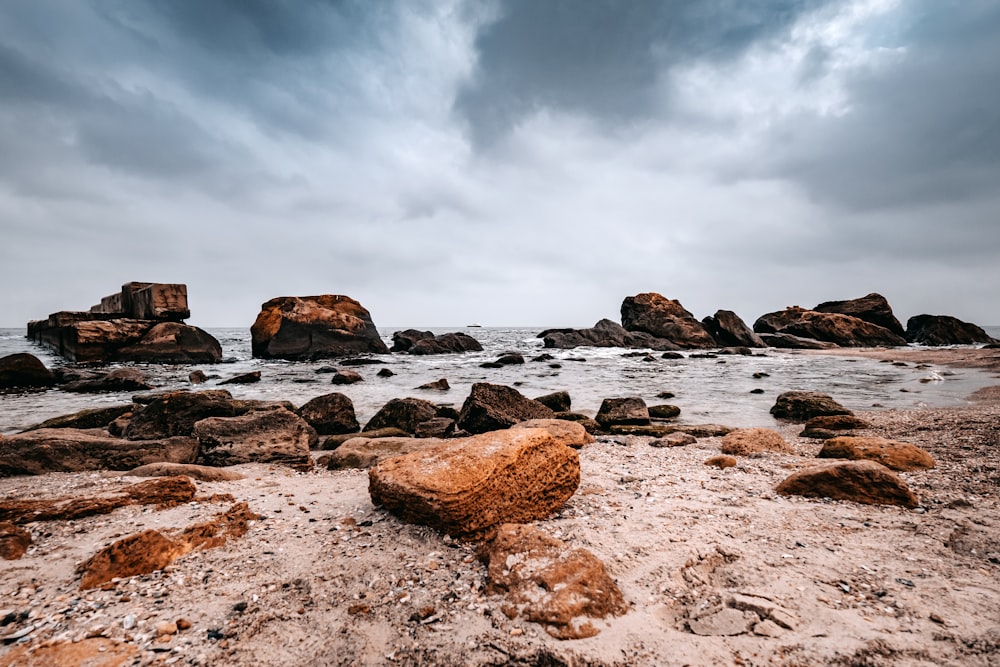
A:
166,628
129,622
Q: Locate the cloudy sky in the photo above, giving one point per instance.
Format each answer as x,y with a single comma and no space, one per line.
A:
514,162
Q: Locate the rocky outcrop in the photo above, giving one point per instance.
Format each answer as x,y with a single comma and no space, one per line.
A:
402,413
729,330
944,330
628,411
832,326
664,318
749,441
24,370
425,342
175,413
267,436
895,455
604,334
330,414
873,308
864,482
314,327
469,486
801,406
546,581
567,433
491,406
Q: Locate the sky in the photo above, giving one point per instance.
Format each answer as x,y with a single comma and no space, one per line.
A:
507,162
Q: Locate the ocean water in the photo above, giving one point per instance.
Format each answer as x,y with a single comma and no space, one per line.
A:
707,390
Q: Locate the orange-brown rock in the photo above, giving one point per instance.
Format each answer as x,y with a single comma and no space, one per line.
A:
314,327
748,441
362,452
895,455
571,434
548,582
658,316
836,423
857,481
14,541
160,492
721,461
92,652
468,486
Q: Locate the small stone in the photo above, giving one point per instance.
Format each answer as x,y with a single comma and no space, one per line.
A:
767,629
183,624
724,623
721,461
166,628
128,622
674,440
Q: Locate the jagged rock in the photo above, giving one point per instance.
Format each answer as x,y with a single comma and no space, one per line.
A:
335,441
873,308
346,377
75,450
119,379
729,330
559,401
721,462
172,343
85,419
664,318
790,342
362,452
568,433
629,411
425,342
14,541
663,412
674,440
163,493
272,436
330,414
748,441
200,473
437,385
604,334
439,427
314,327
944,330
546,581
243,378
895,455
801,406
491,406
402,413
468,486
588,423
857,481
175,413
24,370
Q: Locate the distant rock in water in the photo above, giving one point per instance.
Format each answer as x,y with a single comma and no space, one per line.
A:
314,327
604,334
730,331
425,342
944,330
24,370
830,326
658,316
873,308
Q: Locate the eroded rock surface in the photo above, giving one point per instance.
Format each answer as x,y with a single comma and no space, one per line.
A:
895,455
491,406
269,436
857,481
314,327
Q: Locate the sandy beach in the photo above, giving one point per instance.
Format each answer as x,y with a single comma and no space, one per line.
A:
326,578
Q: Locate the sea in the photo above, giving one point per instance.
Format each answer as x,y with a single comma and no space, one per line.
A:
708,390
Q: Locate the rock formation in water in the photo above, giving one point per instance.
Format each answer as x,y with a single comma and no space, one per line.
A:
314,327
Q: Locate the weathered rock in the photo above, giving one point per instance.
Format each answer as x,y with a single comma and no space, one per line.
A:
335,441
330,414
664,318
314,327
628,411
857,481
790,342
801,406
86,419
437,385
895,455
14,541
721,462
604,334
944,330
163,493
510,359
729,330
402,341
272,436
449,343
837,422
546,581
468,486
173,343
24,370
402,413
674,440
830,327
491,406
361,452
661,430
119,379
664,412
175,413
346,377
764,608
749,441
588,423
873,308
559,401
243,378
197,377
200,473
75,450
439,427
571,434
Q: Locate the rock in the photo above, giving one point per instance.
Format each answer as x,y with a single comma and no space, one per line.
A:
314,327
873,308
830,327
589,424
272,436
674,440
14,541
545,356
86,419
604,334
837,422
335,441
546,581
895,455
763,608
748,441
490,407
629,411
402,413
91,652
801,406
120,379
360,361
243,406
857,481
490,364
468,486
437,385
361,452
175,413
402,341
820,433
944,330
662,430
439,427
24,370
671,355
330,414
559,401
197,377
75,450
568,433
425,342
663,412
243,378
510,359
163,493
200,473
723,623
788,341
165,628
346,377
385,373
729,330
721,462
664,318
173,343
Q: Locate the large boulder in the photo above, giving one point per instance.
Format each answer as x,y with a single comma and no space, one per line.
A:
425,342
330,414
402,413
402,341
176,412
664,318
944,330
173,343
313,327
604,334
266,436
801,406
729,330
469,486
864,482
492,406
830,327
24,370
76,450
361,452
872,308
895,455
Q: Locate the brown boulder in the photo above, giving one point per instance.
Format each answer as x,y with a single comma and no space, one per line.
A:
490,407
84,419
269,436
559,401
837,422
176,412
664,318
91,652
568,433
829,327
864,482
120,379
24,370
14,541
437,385
243,378
729,330
664,412
546,581
628,411
801,406
173,343
468,486
330,414
346,377
589,424
873,308
721,462
402,413
362,452
314,327
748,441
944,330
900,456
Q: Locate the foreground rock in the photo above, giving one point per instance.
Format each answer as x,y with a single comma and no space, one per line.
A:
895,455
468,486
330,414
412,341
658,316
314,327
864,482
801,406
750,441
267,436
24,370
548,582
729,330
604,334
944,330
490,407
14,541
